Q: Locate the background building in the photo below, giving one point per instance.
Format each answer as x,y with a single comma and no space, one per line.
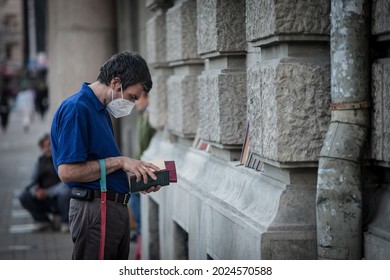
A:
309,89
11,37
23,43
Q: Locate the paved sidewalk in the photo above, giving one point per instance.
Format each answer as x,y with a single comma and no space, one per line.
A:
18,152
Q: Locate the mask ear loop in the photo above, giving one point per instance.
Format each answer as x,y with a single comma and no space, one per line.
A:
122,92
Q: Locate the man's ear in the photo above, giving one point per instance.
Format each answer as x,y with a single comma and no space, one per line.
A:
115,82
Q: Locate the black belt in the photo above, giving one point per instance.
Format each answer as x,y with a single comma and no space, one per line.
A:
116,197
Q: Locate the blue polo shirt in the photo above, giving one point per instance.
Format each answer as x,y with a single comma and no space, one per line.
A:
82,131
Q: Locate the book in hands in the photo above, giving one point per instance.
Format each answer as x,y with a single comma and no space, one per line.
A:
162,180
165,176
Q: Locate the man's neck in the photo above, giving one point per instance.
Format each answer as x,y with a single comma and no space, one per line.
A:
100,90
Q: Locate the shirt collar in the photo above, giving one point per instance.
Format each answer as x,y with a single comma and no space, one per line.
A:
92,97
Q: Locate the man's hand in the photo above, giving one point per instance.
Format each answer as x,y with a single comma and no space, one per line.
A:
152,189
141,170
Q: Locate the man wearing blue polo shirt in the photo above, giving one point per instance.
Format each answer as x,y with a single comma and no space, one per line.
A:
81,135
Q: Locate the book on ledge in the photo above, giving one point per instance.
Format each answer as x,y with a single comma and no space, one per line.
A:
165,176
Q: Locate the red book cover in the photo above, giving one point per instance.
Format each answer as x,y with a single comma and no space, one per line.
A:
170,165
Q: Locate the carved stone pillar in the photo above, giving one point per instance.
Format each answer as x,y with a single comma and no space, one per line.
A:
156,29
288,110
222,85
289,86
186,66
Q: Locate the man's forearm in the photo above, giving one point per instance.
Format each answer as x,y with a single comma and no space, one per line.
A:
87,171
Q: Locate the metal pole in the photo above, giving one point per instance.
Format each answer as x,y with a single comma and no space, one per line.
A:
339,183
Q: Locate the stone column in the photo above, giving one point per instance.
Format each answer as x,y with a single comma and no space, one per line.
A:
186,65
222,85
156,30
288,110
81,38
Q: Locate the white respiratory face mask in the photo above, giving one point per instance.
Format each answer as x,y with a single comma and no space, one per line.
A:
119,107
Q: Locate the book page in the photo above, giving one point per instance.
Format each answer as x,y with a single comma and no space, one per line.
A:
158,162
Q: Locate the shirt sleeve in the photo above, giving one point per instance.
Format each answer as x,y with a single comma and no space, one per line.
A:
72,136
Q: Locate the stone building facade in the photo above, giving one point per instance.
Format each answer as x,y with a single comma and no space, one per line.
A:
11,35
221,68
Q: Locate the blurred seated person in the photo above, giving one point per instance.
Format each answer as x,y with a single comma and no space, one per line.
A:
46,196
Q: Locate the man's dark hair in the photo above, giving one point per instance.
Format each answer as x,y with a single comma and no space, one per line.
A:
130,67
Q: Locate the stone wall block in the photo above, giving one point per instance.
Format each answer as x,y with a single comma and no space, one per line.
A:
377,112
181,32
386,117
232,107
208,106
174,103
222,107
182,105
221,26
262,106
207,32
159,98
380,133
294,115
156,40
256,109
380,17
278,17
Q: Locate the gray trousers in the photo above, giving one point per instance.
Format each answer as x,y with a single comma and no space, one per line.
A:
84,220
